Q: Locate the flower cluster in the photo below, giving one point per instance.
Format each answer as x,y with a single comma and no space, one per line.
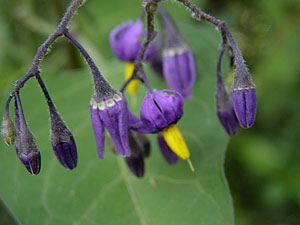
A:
160,110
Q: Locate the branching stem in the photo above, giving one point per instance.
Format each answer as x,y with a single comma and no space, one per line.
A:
43,49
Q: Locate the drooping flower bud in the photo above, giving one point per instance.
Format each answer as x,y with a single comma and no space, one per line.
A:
136,164
26,148
168,154
8,131
245,105
140,149
63,142
178,62
244,97
224,105
243,89
125,41
112,113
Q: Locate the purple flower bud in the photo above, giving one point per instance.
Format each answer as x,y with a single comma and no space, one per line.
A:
168,154
26,148
111,113
32,160
63,142
160,109
225,109
245,105
136,164
126,43
178,62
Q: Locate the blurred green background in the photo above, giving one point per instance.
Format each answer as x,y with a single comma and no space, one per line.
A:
262,163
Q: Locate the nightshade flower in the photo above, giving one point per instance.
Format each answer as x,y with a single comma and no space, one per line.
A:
125,41
111,113
178,62
63,142
168,154
160,111
26,148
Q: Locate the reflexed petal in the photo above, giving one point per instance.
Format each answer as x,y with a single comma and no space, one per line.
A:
168,154
98,130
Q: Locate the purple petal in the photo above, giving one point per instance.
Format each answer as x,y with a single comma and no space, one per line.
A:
151,115
168,154
229,121
136,165
180,71
98,130
245,105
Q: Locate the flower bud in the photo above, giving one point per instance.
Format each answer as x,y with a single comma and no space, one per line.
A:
245,105
178,62
168,154
225,110
8,131
136,165
126,43
26,148
63,142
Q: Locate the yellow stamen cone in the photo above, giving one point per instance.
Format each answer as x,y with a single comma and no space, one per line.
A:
134,84
176,142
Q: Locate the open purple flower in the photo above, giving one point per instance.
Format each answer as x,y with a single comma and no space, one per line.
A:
111,113
159,110
178,62
125,41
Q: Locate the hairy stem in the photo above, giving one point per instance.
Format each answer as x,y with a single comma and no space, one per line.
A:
42,50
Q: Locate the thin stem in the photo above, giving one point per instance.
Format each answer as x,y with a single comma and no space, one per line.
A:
43,49
219,63
21,116
6,110
151,7
199,14
101,85
51,106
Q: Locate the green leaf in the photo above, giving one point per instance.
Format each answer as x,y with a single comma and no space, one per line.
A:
104,191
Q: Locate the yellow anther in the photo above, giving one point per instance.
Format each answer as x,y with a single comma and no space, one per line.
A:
176,142
134,84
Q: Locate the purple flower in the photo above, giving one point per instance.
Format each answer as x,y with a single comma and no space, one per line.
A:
111,113
125,41
178,62
160,109
245,105
179,70
168,154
